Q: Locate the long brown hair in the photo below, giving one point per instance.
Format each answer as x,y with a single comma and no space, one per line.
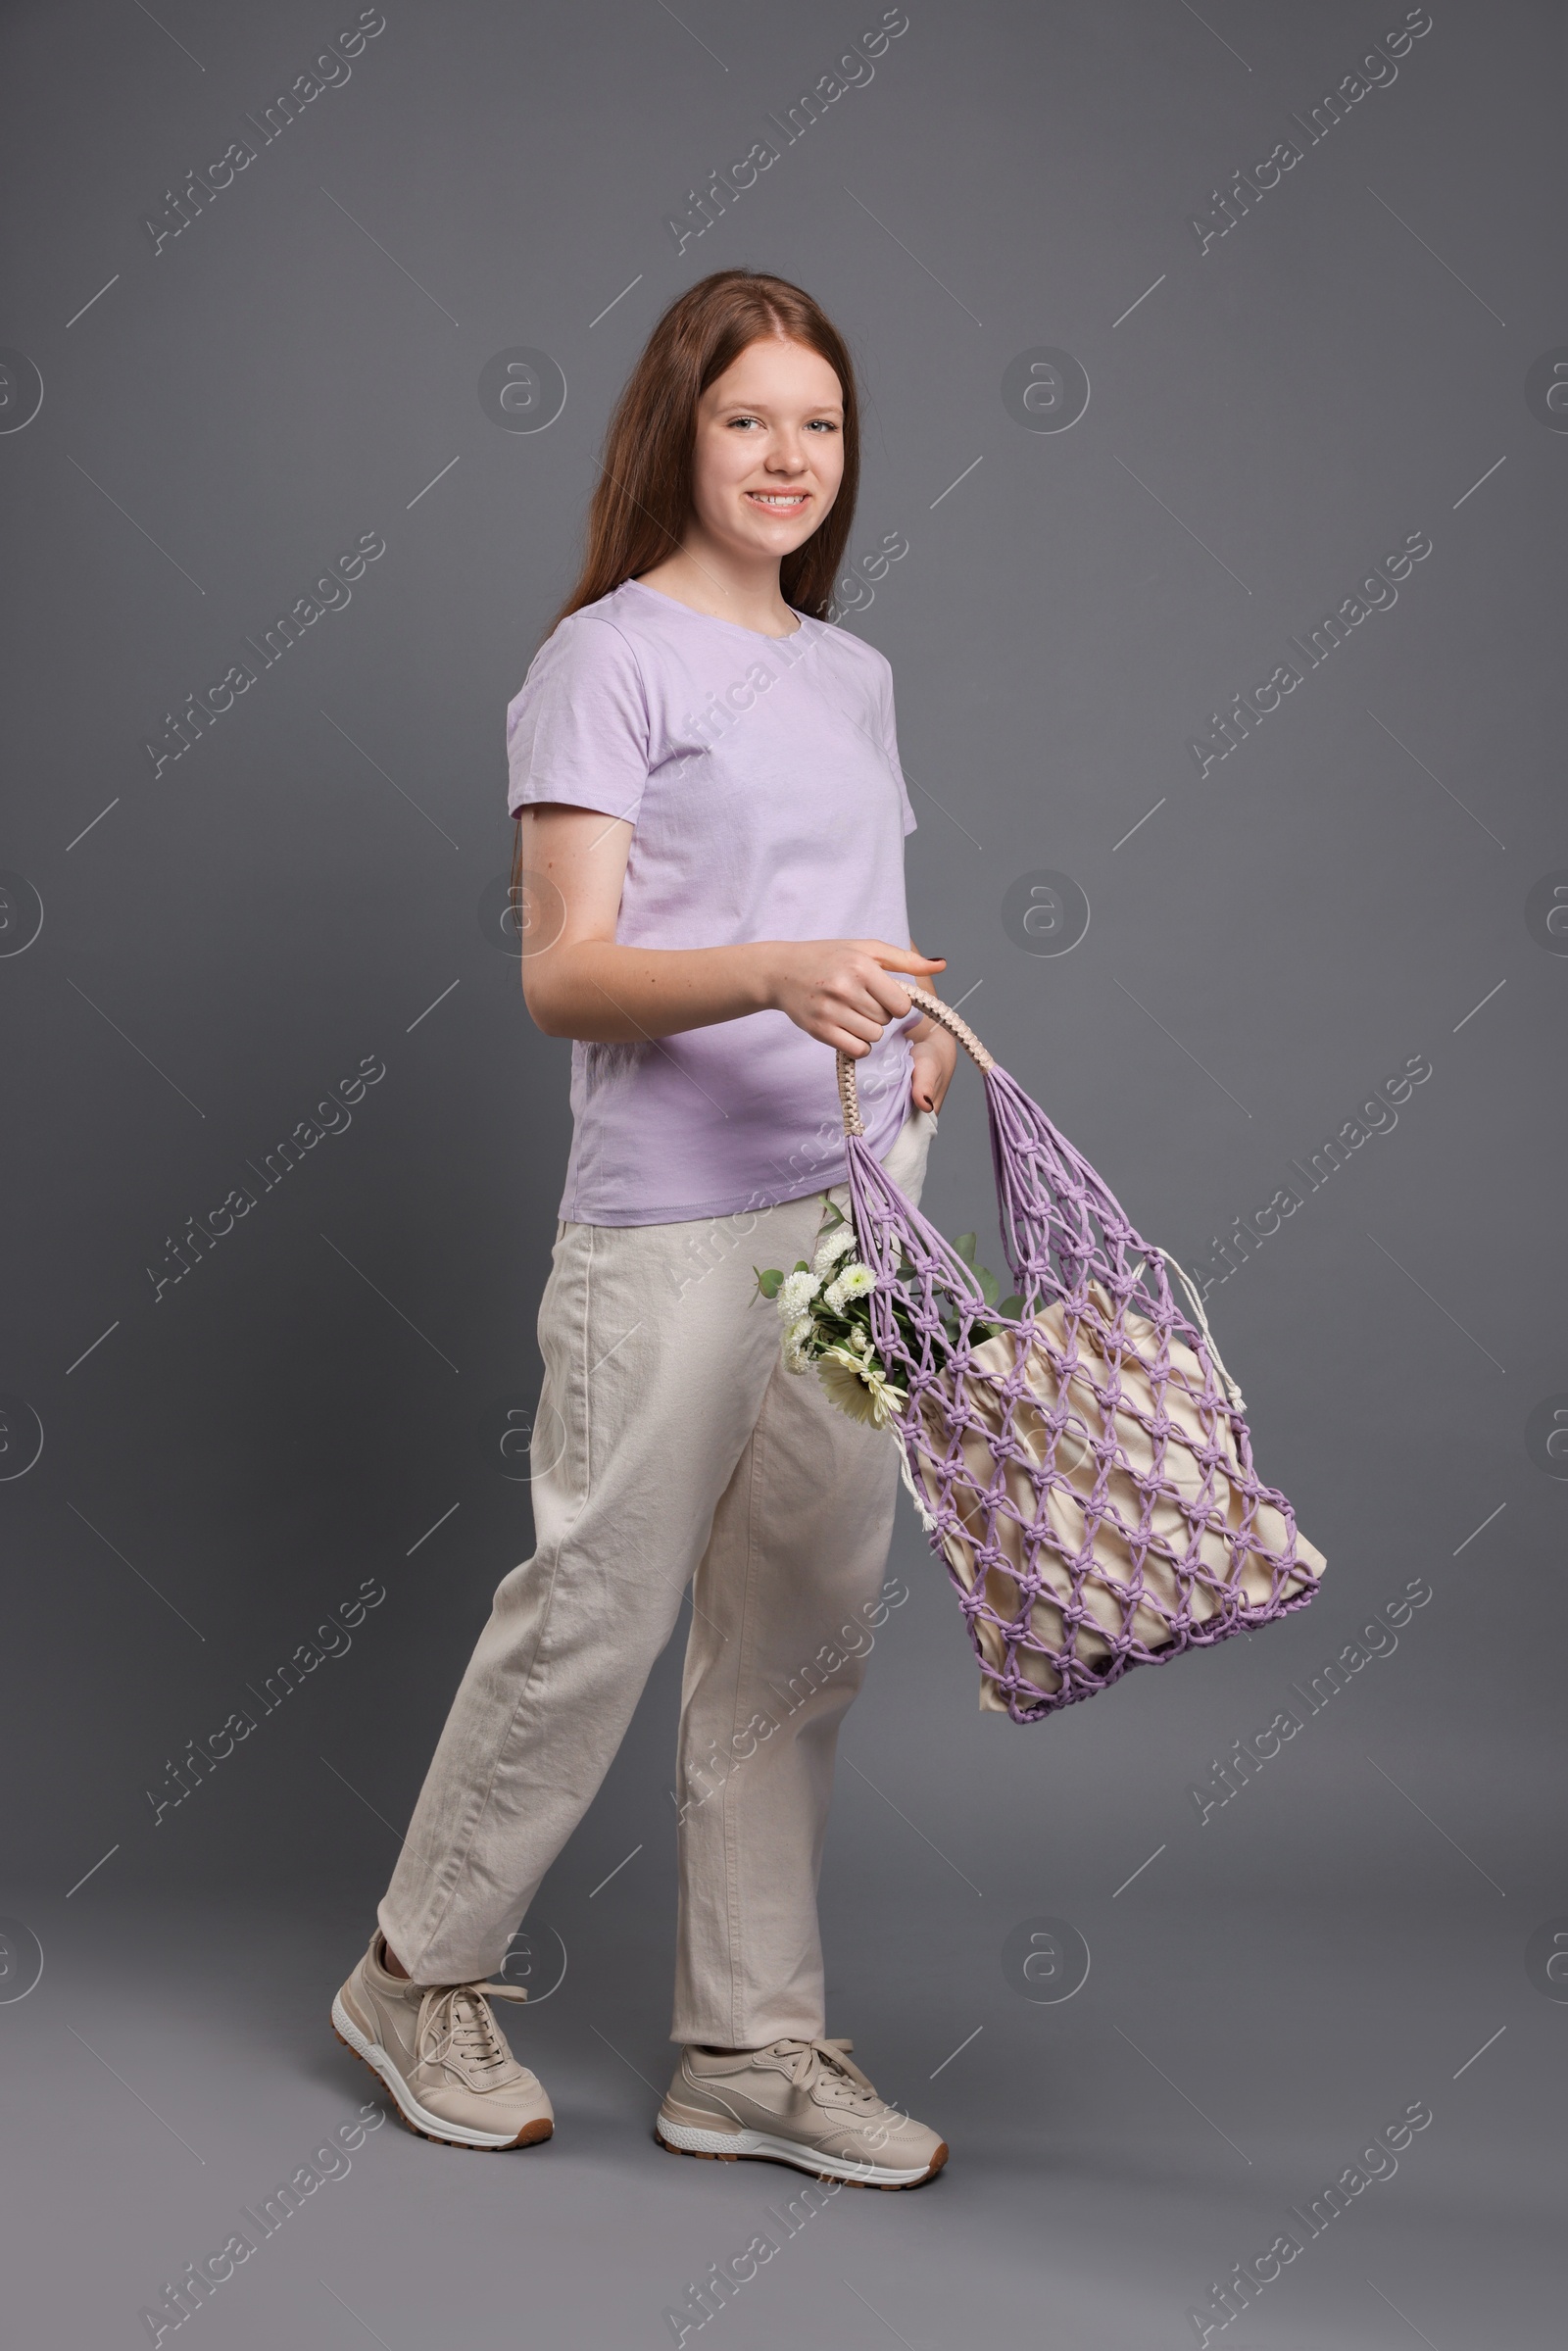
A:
642,503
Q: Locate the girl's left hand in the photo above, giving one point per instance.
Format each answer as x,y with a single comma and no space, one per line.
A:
936,1056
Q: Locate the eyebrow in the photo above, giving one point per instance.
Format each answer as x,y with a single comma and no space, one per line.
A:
760,408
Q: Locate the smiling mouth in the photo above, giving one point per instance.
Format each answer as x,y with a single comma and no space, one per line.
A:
779,502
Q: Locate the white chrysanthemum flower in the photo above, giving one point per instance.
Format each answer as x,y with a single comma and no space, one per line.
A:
795,1354
854,1282
859,1388
834,1246
796,1293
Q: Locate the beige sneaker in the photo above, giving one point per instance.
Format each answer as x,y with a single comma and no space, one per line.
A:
439,2050
800,2102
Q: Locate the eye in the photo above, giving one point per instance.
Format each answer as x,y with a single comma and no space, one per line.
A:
737,420
822,424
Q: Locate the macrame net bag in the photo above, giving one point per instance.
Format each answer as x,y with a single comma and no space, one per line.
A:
1087,1475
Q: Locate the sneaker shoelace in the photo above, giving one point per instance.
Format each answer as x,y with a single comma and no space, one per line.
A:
457,2029
823,2066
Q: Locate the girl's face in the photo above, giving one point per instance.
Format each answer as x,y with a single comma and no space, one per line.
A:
769,450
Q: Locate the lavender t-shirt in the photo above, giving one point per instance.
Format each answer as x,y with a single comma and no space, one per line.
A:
762,777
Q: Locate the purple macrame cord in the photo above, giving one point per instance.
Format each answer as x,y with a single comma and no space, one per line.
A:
1087,1477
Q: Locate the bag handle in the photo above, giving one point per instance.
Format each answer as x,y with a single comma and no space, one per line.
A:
945,1017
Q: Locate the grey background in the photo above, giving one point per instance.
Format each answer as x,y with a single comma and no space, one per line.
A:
308,1408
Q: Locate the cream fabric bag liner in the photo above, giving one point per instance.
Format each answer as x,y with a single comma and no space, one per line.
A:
1226,1572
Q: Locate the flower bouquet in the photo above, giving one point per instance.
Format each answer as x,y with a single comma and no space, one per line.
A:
825,1308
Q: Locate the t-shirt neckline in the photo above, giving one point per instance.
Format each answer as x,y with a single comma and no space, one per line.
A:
737,628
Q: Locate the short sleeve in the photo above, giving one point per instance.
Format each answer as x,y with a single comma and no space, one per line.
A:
889,741
578,729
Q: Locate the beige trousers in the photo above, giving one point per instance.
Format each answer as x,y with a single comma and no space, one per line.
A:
671,1447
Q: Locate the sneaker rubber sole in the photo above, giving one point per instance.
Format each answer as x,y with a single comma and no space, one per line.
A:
761,2146
410,2113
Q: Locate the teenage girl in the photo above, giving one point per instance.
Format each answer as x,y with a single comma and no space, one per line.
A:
709,850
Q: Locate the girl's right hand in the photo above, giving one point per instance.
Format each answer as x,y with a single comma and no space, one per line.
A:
842,991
